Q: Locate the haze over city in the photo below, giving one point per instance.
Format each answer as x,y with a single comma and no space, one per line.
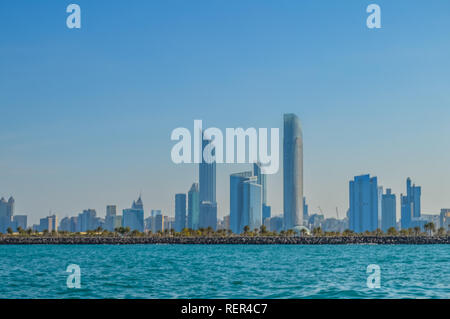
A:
87,115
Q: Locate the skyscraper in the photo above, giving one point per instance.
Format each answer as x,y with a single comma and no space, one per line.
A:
444,219
261,180
207,191
6,214
207,178
20,221
292,172
363,212
134,216
180,212
380,204
388,210
111,217
305,211
237,200
208,215
252,204
87,220
410,206
193,206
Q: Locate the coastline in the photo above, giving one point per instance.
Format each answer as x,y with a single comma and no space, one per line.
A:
232,240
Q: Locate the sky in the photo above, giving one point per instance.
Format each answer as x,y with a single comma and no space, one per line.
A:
86,114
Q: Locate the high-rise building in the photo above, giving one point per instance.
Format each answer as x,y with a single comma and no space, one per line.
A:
87,220
388,210
20,221
49,223
292,172
207,178
252,204
169,223
410,206
380,204
193,206
208,215
158,223
305,212
6,214
111,217
68,224
155,212
261,180
237,200
276,224
226,222
134,216
266,212
363,213
180,212
445,219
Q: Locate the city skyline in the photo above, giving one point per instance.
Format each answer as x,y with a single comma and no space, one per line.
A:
369,208
87,122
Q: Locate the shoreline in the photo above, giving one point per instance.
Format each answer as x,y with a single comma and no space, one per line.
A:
234,240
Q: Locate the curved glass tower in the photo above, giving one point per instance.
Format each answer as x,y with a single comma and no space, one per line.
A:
292,172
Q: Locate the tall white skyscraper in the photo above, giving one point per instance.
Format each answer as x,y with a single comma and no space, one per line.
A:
292,172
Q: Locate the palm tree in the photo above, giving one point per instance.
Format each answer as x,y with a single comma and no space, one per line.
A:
317,231
430,228
392,231
441,231
263,229
347,233
416,231
9,230
246,229
378,232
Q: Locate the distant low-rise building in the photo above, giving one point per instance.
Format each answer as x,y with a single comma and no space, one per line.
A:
276,223
445,219
20,221
134,216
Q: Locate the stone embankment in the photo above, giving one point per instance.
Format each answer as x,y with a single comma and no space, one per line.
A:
233,240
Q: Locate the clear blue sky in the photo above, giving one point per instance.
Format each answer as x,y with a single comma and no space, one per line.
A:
86,115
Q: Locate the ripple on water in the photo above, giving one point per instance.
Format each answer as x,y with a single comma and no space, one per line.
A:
225,271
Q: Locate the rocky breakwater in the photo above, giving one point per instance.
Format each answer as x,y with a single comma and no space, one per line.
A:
232,240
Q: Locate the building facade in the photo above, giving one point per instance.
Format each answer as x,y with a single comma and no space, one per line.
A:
193,206
180,212
134,216
292,172
363,213
208,215
411,206
388,210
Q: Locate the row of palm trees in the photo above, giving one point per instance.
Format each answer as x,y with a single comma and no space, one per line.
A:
430,229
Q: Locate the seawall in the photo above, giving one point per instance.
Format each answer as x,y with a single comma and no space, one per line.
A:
234,240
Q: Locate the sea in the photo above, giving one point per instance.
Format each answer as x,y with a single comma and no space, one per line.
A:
224,271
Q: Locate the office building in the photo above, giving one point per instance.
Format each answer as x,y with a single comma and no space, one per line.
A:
208,215
410,206
134,217
180,212
388,210
292,172
363,214
193,206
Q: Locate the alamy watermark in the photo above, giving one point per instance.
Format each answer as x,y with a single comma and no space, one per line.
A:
74,279
189,150
374,278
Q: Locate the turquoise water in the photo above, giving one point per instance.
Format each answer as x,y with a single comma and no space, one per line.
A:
225,271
